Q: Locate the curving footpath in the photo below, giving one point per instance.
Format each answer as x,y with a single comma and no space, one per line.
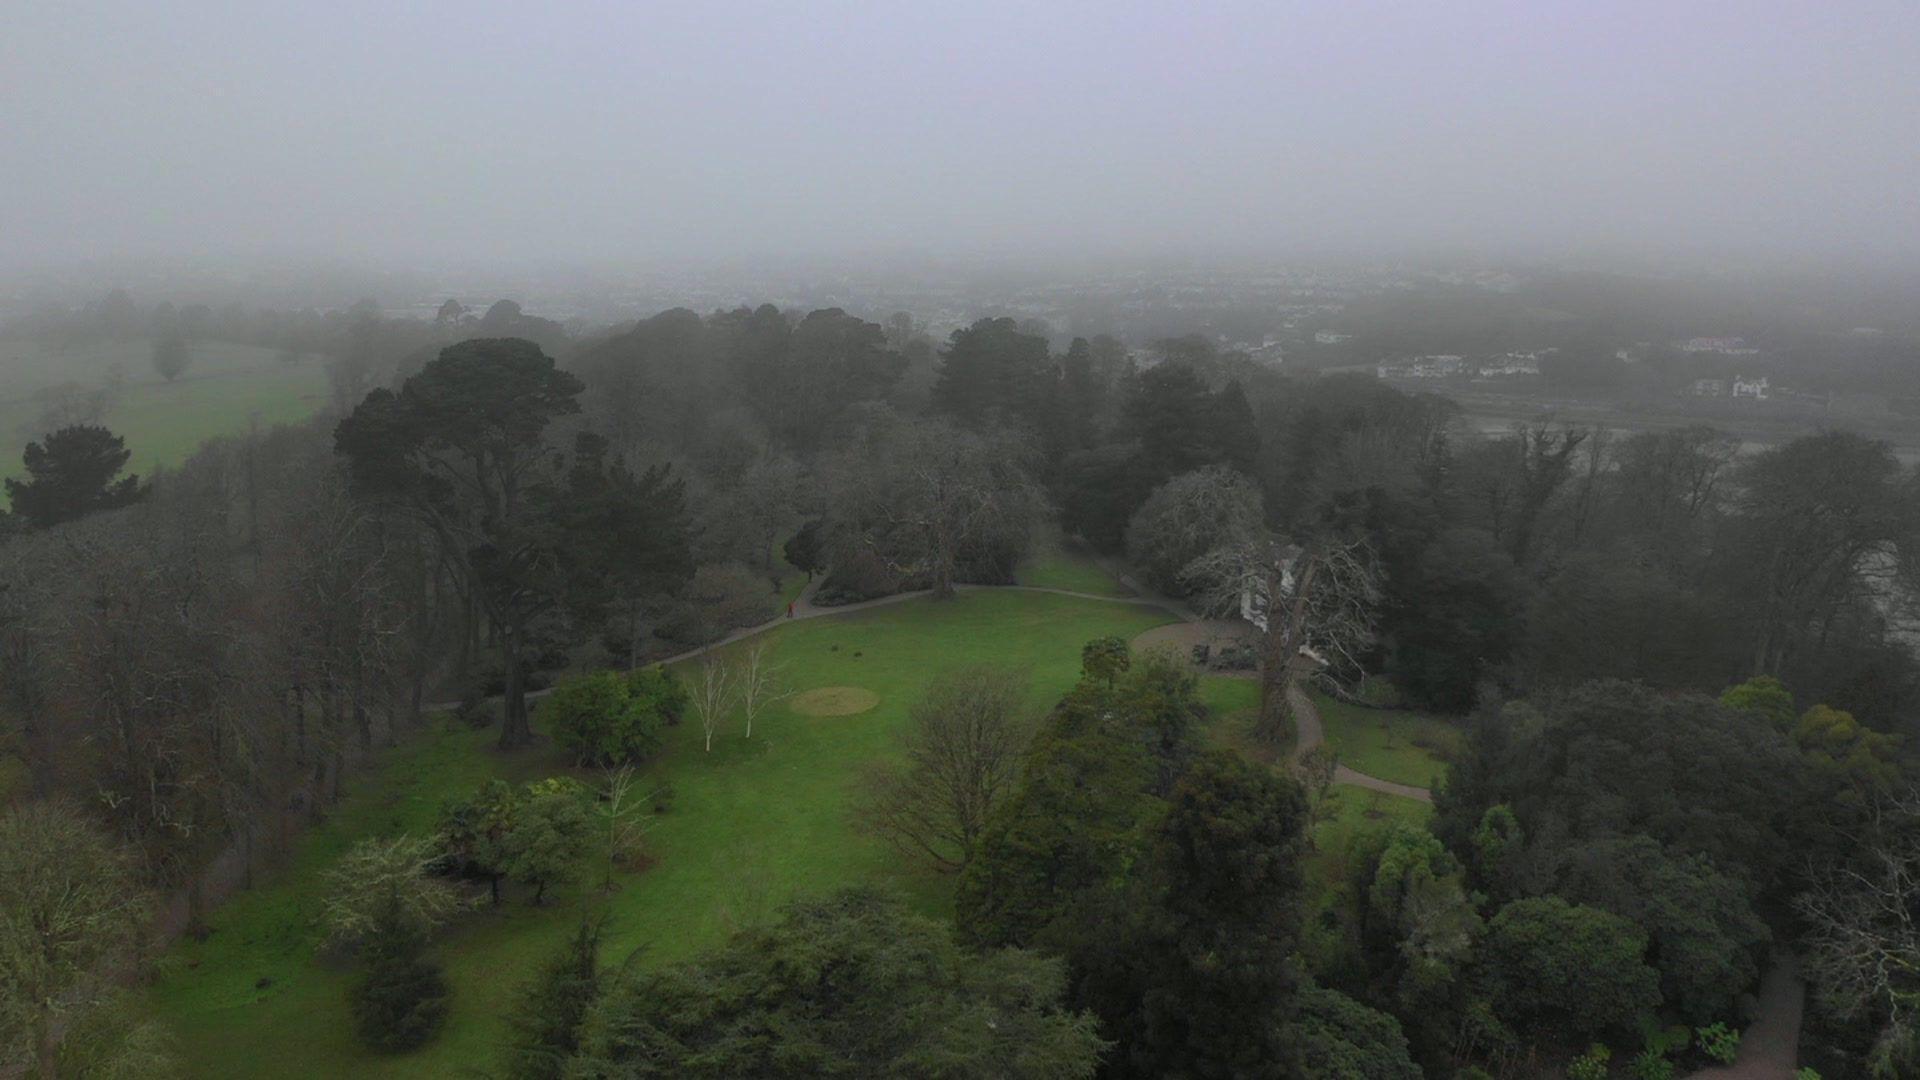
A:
1306,717
1770,1047
1308,734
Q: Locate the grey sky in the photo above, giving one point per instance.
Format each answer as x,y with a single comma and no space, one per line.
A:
495,132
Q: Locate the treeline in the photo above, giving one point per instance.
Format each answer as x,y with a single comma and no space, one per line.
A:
193,663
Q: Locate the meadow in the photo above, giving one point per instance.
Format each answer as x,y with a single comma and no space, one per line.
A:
752,823
1391,744
225,389
1059,562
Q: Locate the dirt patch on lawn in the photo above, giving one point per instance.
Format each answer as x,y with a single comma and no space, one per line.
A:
835,701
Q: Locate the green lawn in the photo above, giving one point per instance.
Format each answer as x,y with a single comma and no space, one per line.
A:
1347,815
1235,705
1059,562
753,823
1404,747
226,388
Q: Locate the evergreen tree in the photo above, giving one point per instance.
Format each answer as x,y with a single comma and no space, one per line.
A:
991,371
400,998
553,1005
71,474
1206,985
851,985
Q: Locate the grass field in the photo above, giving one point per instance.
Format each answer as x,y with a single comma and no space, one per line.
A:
1058,562
1404,747
1350,814
226,388
752,824
1235,705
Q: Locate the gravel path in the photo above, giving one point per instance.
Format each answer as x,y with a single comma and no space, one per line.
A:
1309,734
1770,1048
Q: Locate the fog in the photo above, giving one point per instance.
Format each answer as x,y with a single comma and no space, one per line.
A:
635,132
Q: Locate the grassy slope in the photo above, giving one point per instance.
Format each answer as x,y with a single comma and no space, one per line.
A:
753,823
1058,562
1404,747
224,389
1350,815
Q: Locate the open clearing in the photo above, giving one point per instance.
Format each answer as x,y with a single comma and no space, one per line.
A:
1391,744
1349,816
752,824
227,388
1060,562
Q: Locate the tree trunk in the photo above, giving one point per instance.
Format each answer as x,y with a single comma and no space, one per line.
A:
1285,627
44,1045
635,622
1276,708
514,730
943,568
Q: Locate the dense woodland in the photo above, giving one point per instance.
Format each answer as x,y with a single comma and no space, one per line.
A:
1685,674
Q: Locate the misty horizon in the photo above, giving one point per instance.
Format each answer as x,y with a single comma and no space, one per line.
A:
491,135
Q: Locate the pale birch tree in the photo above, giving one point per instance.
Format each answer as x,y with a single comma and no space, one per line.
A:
618,808
713,695
761,682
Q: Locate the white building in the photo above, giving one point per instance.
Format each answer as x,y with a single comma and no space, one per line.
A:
1511,364
1755,389
1725,346
1330,337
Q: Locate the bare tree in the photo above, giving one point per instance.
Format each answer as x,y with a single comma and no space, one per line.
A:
928,500
69,909
761,683
962,757
1188,516
376,873
1863,941
618,806
1312,606
713,695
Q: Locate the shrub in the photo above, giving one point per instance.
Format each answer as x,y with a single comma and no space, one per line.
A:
607,719
551,828
1105,659
473,831
1652,1065
1591,1065
662,688
1718,1042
